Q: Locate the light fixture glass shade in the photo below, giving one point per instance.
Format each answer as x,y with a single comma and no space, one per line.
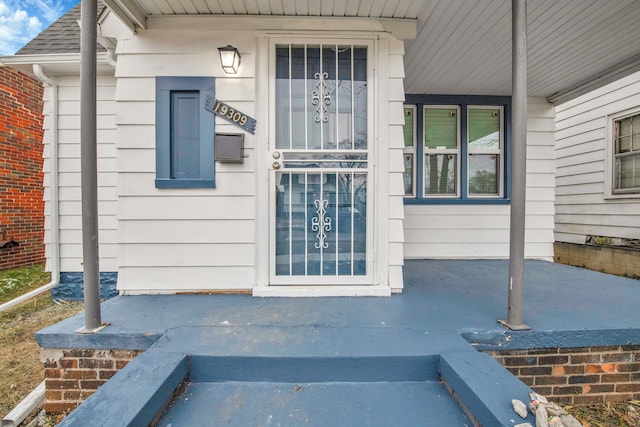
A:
230,59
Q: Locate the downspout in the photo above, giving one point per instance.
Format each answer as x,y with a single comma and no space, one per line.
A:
54,214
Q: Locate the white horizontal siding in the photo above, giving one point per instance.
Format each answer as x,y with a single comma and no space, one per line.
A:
395,164
582,206
162,279
482,231
69,192
170,238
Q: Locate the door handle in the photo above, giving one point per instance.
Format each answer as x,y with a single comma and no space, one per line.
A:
276,165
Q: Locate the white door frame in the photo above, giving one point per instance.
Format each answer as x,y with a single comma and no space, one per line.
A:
265,174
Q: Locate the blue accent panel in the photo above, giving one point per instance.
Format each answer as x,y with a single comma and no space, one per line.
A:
185,183
185,135
71,286
474,201
406,404
184,142
484,387
463,101
135,395
314,369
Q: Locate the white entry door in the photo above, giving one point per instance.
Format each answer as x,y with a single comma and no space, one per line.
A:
320,165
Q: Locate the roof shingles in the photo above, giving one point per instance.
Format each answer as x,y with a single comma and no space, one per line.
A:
62,36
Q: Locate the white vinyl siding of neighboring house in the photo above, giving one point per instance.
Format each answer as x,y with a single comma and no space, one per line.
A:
69,173
482,231
584,204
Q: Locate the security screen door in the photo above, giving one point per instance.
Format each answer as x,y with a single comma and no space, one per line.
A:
320,165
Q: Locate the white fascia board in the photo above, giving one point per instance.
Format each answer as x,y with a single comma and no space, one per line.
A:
55,64
129,13
399,28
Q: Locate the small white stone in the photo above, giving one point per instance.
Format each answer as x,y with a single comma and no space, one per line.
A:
542,416
519,407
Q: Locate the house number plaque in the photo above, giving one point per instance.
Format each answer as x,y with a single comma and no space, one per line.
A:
230,114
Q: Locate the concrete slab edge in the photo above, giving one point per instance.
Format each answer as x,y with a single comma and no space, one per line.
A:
484,388
527,340
135,395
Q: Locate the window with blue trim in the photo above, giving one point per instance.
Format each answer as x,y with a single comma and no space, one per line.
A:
184,133
457,149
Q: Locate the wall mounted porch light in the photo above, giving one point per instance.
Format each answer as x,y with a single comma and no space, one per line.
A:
229,59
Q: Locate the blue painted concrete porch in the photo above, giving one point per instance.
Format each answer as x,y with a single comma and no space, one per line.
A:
401,344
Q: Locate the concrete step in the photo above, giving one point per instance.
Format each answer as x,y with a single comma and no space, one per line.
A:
484,388
424,403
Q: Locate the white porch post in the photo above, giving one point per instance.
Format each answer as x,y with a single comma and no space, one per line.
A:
88,166
518,164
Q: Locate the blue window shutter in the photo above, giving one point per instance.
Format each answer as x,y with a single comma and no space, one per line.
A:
184,133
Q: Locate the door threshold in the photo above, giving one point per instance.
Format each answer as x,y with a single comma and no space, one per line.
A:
321,291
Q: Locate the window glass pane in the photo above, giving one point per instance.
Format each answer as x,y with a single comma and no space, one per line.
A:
484,129
635,124
441,128
623,145
628,172
483,170
408,174
343,98
321,97
440,172
283,103
408,127
314,94
298,111
360,97
624,127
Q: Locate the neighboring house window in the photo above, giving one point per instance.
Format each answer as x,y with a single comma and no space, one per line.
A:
461,149
184,133
626,156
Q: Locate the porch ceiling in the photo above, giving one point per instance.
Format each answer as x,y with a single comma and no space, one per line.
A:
464,47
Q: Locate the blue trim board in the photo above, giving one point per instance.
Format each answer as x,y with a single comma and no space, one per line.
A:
484,387
71,286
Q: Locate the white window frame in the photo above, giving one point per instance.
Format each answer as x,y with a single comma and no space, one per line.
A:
413,149
610,159
457,152
499,152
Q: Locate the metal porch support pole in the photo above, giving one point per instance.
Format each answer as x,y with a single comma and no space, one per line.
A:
89,165
518,165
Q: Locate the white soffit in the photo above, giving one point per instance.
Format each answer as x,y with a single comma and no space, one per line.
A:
464,46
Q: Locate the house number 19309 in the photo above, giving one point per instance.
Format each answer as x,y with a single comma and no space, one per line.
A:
231,114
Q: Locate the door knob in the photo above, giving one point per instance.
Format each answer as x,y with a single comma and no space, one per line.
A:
276,165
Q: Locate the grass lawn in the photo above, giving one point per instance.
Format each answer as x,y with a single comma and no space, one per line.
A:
20,362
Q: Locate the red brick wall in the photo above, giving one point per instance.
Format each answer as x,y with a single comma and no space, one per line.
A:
21,186
71,376
578,376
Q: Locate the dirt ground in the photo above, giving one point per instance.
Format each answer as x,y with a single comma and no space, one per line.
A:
20,362
624,414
